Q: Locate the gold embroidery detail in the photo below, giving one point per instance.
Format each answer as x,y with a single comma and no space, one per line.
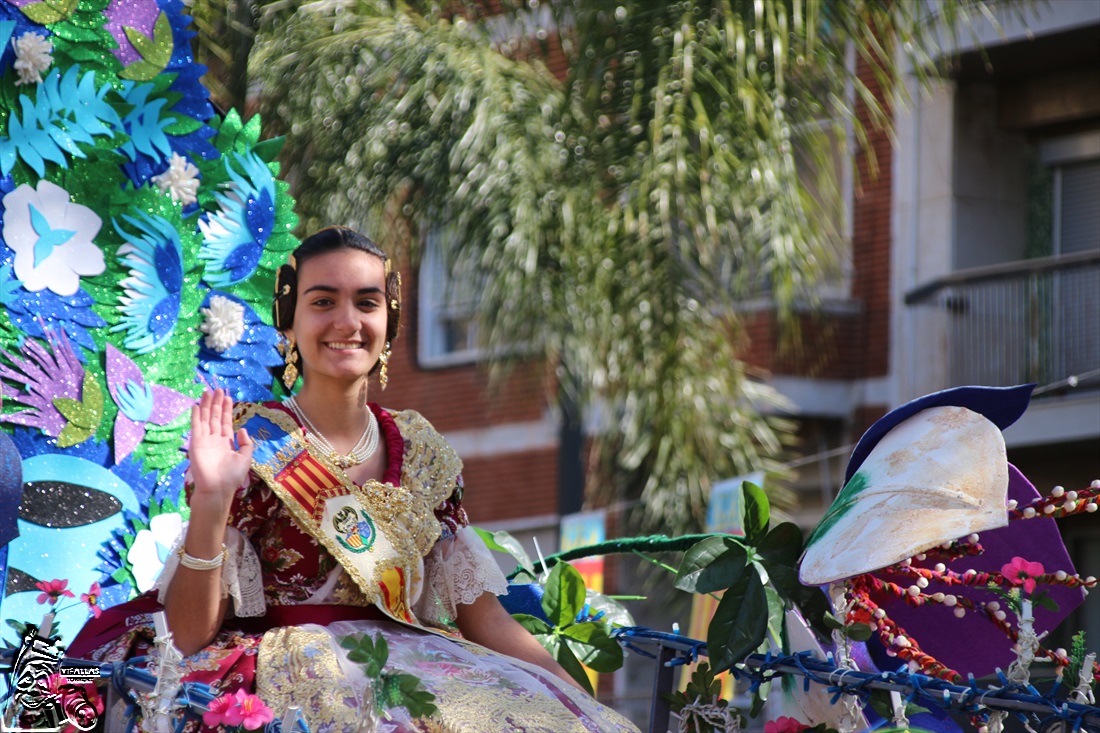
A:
297,666
347,593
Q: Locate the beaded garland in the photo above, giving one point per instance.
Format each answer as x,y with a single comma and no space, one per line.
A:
868,592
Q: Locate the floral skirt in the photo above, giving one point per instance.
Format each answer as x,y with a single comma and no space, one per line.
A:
476,690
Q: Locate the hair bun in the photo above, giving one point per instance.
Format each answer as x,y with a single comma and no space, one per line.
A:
282,305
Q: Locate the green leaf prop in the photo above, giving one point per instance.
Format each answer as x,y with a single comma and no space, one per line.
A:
569,641
702,686
506,543
779,552
561,652
391,690
564,597
756,512
83,416
50,11
594,646
156,51
880,702
714,564
739,623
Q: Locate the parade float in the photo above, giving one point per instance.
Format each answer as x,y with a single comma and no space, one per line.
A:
140,235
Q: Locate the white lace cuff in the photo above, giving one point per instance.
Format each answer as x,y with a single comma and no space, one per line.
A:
241,576
457,571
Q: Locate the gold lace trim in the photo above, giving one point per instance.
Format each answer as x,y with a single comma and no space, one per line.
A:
297,666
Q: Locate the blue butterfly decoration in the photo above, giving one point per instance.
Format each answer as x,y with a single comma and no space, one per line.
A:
151,305
235,235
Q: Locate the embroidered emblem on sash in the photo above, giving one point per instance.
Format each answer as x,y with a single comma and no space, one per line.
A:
355,530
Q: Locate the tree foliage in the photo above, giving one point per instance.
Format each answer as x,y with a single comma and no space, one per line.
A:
618,221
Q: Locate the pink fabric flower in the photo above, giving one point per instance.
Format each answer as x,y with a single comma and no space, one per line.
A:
783,724
217,710
92,599
1022,572
249,711
53,590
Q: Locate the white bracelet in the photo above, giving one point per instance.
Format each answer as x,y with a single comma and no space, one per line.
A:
196,563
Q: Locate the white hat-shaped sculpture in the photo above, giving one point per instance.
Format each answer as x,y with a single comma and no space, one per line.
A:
937,475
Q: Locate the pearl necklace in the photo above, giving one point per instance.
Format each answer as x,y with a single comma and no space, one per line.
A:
363,450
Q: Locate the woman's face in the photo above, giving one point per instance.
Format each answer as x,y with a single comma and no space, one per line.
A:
340,314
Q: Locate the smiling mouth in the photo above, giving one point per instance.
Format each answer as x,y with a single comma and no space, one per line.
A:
345,345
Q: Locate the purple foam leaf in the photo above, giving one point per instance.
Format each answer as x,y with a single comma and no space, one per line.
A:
168,404
128,434
121,370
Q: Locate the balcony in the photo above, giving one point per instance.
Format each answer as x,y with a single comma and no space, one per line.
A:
1033,320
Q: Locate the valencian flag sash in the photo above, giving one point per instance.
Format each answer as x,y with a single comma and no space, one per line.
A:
377,532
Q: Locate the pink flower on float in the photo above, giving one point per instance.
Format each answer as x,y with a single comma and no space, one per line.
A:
783,724
53,590
216,711
92,599
249,711
1022,572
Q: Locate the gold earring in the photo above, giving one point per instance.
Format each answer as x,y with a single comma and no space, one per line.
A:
384,360
290,373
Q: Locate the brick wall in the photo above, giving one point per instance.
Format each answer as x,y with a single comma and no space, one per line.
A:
511,485
871,239
827,347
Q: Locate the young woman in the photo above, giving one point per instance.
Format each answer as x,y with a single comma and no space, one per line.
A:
325,519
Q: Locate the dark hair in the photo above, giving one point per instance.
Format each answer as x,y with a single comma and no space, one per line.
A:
332,239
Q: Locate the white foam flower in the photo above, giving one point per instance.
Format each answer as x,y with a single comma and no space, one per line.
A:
151,547
223,323
180,180
32,57
52,237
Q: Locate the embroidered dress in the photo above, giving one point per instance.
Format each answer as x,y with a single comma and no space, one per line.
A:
314,559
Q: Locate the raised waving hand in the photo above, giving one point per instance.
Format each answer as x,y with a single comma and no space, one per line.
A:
219,463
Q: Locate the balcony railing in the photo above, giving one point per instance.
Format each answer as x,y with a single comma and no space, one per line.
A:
1028,321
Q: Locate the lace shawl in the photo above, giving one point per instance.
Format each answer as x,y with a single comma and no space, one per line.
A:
457,570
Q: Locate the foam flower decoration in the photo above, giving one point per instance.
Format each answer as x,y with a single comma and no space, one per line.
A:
235,234
151,306
52,238
46,376
138,402
53,591
936,475
1019,571
180,180
223,324
242,367
32,57
91,598
150,549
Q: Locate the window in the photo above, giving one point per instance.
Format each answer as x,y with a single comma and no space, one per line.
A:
447,323
1074,164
